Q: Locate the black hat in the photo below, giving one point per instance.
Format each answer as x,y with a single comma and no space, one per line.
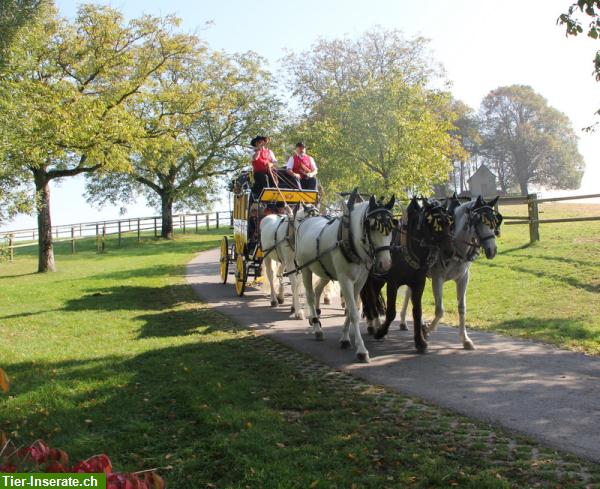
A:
300,144
255,140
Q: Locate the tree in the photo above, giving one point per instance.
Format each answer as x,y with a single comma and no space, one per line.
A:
64,94
466,131
198,117
14,15
573,27
533,142
369,114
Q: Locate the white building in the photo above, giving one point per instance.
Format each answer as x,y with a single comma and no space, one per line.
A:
482,182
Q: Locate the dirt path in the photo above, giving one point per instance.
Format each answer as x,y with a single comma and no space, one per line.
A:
547,393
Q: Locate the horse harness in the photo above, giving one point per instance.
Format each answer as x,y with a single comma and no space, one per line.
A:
488,216
290,235
403,240
345,239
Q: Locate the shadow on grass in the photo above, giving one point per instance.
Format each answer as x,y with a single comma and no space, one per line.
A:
571,281
559,259
553,329
183,407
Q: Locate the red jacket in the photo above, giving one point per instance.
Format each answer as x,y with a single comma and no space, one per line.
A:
260,163
302,164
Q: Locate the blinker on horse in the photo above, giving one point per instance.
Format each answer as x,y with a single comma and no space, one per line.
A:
425,233
476,225
345,249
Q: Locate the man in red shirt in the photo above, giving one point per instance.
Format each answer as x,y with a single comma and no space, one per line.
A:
303,167
263,165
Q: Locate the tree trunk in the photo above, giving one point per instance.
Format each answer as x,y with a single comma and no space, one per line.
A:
45,246
167,215
523,185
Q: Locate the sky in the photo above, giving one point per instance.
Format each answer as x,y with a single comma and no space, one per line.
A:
482,45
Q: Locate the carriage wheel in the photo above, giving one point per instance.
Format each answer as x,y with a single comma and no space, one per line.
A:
224,260
241,274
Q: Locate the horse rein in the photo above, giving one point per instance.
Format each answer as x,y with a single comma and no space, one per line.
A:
493,223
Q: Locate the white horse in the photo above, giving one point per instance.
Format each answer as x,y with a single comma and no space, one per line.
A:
476,225
276,242
367,227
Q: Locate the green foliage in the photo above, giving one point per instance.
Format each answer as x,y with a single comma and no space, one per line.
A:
573,27
65,93
197,116
531,141
14,15
369,117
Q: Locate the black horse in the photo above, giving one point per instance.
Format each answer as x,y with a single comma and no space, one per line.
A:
425,232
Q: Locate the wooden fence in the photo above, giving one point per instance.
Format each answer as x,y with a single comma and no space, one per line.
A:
533,214
22,238
194,222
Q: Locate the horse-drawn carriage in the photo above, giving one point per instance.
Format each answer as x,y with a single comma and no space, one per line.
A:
241,254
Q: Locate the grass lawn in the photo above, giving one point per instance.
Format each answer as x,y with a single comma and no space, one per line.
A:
548,291
114,354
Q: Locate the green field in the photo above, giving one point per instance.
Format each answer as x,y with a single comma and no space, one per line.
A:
549,291
113,353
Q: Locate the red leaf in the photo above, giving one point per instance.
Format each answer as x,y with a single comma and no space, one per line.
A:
8,468
154,481
39,451
58,455
56,467
98,463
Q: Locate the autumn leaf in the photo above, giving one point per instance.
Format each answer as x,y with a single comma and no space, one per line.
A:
3,381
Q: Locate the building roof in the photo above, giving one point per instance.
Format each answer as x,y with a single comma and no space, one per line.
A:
482,171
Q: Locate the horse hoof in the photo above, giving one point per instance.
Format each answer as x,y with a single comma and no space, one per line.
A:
319,335
468,345
379,334
280,300
345,344
421,348
327,301
273,303
370,330
318,311
403,327
300,315
362,357
292,310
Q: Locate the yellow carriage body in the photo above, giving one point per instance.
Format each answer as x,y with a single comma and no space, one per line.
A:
249,258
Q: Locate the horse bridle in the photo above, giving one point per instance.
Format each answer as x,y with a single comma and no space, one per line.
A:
384,223
488,216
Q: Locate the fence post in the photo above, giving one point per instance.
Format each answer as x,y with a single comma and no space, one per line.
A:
80,231
103,239
138,230
533,213
231,219
11,251
119,234
184,219
217,220
196,219
72,240
97,238
207,222
155,230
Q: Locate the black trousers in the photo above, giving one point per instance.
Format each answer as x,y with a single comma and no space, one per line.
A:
261,180
308,183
